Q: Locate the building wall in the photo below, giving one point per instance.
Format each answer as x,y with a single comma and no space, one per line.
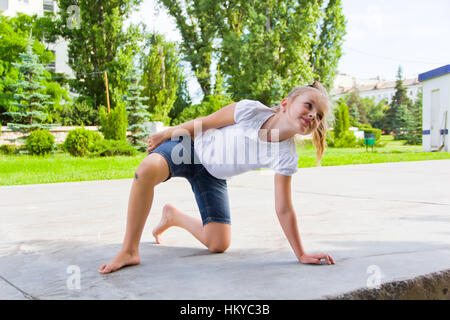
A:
31,7
443,84
386,94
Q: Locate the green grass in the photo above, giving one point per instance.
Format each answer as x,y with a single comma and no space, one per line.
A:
19,170
393,151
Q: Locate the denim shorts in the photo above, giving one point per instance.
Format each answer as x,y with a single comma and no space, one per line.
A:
210,192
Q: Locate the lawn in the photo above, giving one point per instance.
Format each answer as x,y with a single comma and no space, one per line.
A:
393,151
19,170
16,170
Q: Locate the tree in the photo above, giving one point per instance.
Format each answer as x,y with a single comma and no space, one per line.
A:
413,122
14,37
353,102
161,76
395,115
99,43
327,49
28,94
342,121
194,20
264,48
136,112
268,48
183,100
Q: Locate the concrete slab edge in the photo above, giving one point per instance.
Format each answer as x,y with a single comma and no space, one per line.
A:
433,286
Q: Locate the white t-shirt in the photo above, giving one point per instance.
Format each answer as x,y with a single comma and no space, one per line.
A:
234,149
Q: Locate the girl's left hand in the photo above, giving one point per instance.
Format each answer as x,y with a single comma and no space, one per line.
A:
316,258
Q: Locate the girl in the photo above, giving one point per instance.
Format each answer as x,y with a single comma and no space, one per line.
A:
198,155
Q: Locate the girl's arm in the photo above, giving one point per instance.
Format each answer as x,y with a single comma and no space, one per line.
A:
286,216
221,118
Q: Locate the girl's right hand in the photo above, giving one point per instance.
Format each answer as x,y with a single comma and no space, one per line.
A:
316,258
156,139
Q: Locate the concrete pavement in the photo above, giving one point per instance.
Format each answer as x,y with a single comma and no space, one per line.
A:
381,223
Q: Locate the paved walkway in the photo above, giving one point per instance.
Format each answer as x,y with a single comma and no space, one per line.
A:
385,221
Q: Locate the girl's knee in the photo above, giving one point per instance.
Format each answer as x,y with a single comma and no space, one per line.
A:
153,168
218,247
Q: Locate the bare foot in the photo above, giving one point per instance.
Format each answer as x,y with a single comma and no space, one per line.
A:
123,258
165,223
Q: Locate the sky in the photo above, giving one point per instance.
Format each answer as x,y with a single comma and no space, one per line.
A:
381,35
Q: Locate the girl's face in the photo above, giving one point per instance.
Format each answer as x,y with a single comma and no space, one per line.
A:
306,111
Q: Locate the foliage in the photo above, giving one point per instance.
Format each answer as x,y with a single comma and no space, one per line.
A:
210,104
80,113
40,142
183,99
413,122
367,128
136,113
108,148
398,108
29,112
161,76
197,26
8,149
14,38
265,48
79,141
99,43
342,122
327,49
346,139
114,125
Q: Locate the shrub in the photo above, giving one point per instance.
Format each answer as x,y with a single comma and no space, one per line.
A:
367,128
40,142
80,113
8,149
346,140
79,141
114,125
107,148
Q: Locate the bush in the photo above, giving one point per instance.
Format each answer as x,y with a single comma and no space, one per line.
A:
347,140
114,125
40,142
367,128
8,149
107,148
79,141
80,113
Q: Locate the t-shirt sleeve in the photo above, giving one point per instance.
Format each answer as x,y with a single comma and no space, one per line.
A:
288,164
245,110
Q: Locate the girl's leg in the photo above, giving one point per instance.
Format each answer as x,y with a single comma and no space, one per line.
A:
151,171
215,236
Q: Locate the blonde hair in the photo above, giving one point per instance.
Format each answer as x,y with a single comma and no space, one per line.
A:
320,134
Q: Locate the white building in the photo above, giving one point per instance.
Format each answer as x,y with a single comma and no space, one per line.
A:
376,88
39,7
436,108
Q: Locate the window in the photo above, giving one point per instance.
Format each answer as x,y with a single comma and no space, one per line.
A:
48,6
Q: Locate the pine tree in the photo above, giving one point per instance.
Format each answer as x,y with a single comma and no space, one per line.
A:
136,112
28,94
395,115
413,121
